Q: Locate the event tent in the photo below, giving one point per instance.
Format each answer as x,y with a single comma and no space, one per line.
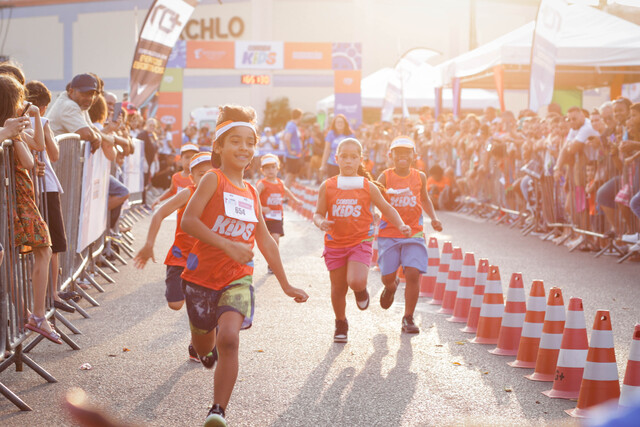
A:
419,91
595,49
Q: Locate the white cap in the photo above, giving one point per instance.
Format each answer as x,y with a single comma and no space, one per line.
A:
199,158
189,147
404,142
267,129
268,159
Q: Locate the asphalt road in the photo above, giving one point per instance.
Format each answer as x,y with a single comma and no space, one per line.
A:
292,374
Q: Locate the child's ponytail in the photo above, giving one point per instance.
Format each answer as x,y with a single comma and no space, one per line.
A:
362,171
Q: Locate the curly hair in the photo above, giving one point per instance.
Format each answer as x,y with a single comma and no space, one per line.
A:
38,94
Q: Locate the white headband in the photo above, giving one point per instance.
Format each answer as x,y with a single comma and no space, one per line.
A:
228,126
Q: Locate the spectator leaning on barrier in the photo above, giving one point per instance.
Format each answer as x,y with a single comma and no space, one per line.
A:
39,95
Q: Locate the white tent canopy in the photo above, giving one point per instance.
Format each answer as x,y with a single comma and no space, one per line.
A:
589,41
418,89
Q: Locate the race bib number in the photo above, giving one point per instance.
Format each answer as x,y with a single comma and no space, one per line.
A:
277,215
239,207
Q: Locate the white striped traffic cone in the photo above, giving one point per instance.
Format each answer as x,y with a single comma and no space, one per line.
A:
630,393
551,339
428,280
491,311
453,281
532,328
478,296
443,273
513,318
465,290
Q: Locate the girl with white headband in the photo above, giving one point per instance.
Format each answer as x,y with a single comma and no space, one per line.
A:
225,217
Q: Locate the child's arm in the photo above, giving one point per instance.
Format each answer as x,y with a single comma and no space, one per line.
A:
260,189
427,205
53,150
388,210
38,136
176,202
319,218
270,251
167,193
191,223
23,155
291,195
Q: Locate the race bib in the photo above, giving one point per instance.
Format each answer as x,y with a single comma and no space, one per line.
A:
277,215
239,207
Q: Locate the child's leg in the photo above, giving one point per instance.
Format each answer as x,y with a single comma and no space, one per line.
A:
339,291
389,281
276,237
203,343
357,273
411,290
174,292
39,278
227,343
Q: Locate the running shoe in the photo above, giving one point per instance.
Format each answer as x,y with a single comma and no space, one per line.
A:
215,418
209,361
362,299
342,328
408,326
193,355
386,297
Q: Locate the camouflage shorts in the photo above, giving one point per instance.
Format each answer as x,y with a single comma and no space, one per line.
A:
205,306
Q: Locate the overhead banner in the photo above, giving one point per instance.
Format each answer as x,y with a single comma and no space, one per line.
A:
347,98
169,112
209,54
160,31
307,56
259,55
543,52
95,192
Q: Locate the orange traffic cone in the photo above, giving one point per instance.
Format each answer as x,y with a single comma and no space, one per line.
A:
513,318
631,384
465,290
532,328
600,382
428,280
491,311
478,296
573,354
443,273
551,338
453,280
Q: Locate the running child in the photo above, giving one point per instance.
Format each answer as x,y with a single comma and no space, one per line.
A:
180,180
176,259
272,190
344,213
225,217
407,192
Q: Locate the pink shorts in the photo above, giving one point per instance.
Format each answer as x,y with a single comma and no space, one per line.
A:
335,258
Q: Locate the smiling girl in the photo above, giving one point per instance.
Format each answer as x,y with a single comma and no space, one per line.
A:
225,216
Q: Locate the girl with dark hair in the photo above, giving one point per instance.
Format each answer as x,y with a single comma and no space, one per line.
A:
29,227
225,217
339,131
344,213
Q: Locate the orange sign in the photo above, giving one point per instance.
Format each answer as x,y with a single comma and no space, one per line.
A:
170,113
307,56
210,54
347,81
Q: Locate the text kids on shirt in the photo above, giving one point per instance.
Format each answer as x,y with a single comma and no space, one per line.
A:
272,192
176,259
225,217
344,213
180,180
407,193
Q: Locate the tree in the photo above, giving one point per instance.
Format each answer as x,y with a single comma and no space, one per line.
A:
277,113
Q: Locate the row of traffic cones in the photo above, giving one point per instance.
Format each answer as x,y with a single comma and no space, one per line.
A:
542,336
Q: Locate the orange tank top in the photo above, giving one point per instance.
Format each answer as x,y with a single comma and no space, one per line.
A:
349,206
183,242
271,197
403,193
178,182
232,213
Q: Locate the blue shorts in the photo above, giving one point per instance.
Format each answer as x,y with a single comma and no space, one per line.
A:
116,188
396,252
173,281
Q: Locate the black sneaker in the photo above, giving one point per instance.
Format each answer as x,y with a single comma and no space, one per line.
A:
73,295
362,299
386,297
193,355
62,305
215,418
342,328
409,326
209,361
